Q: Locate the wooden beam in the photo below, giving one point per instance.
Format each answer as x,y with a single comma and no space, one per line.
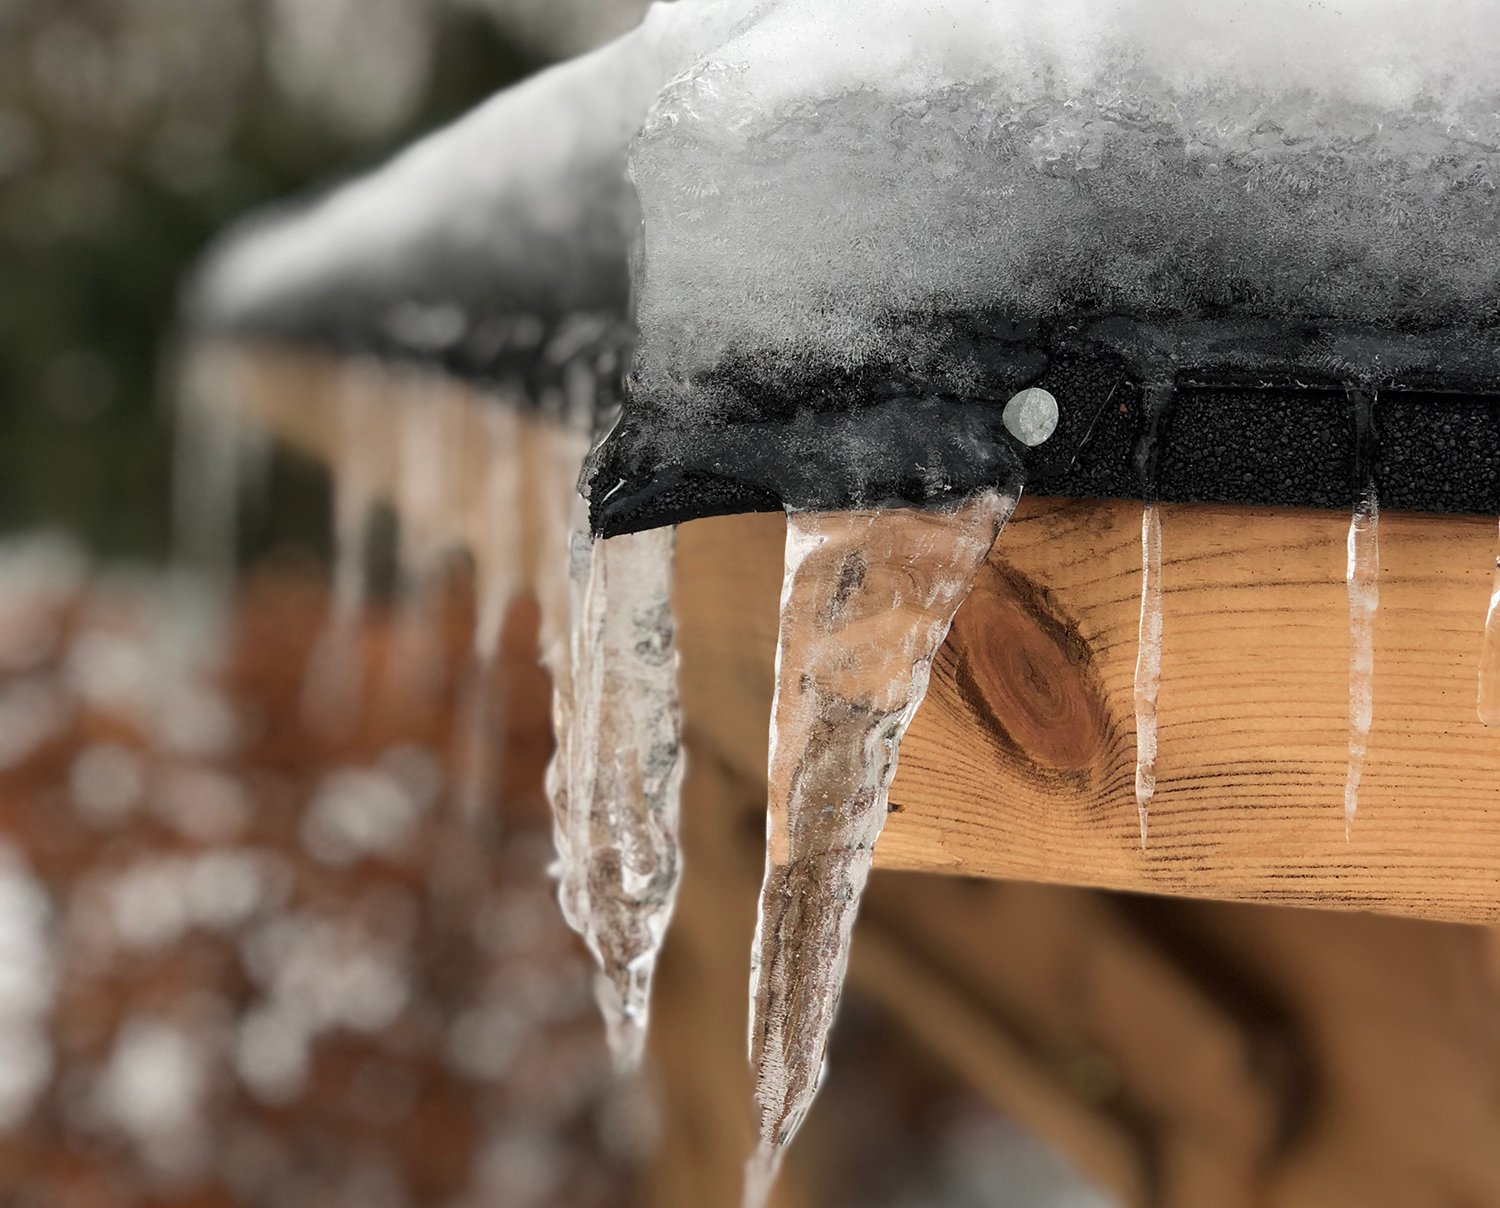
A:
1021,763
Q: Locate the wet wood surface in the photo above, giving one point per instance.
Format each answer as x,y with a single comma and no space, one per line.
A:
1020,764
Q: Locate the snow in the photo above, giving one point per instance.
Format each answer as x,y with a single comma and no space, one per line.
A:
839,165
518,212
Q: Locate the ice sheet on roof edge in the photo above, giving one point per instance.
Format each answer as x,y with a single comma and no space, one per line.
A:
969,130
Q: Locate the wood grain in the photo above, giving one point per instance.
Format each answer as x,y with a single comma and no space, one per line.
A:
1021,762
1239,1056
1180,1053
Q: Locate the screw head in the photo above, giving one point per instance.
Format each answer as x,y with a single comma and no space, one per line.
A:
1031,416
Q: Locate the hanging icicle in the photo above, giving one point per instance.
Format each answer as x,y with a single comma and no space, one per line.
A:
618,854
1362,578
1489,659
1148,665
614,783
1156,406
495,546
220,454
335,676
429,511
867,600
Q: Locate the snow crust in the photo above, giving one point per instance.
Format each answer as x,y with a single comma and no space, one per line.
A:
520,208
840,162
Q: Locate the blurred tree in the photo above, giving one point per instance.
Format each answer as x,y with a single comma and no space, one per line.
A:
129,135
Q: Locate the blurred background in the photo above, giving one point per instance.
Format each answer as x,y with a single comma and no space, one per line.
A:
131,133
240,963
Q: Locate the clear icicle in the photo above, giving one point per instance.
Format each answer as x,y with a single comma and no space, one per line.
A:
565,776
1363,579
335,674
561,579
618,851
1156,408
1148,665
867,600
1489,659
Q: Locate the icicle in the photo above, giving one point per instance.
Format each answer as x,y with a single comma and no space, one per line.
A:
495,544
216,450
1148,665
867,600
1363,580
614,782
210,404
497,548
1489,660
429,517
336,673
621,861
1156,403
615,778
561,578
570,764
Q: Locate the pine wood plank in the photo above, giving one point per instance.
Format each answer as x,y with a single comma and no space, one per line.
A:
1021,762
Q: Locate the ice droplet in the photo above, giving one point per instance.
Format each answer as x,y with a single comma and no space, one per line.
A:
1148,665
616,814
1489,659
867,600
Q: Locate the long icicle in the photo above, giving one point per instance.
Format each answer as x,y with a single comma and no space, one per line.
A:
1156,403
1148,665
621,861
334,680
428,513
561,577
220,454
1362,578
1489,659
614,782
496,549
867,600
